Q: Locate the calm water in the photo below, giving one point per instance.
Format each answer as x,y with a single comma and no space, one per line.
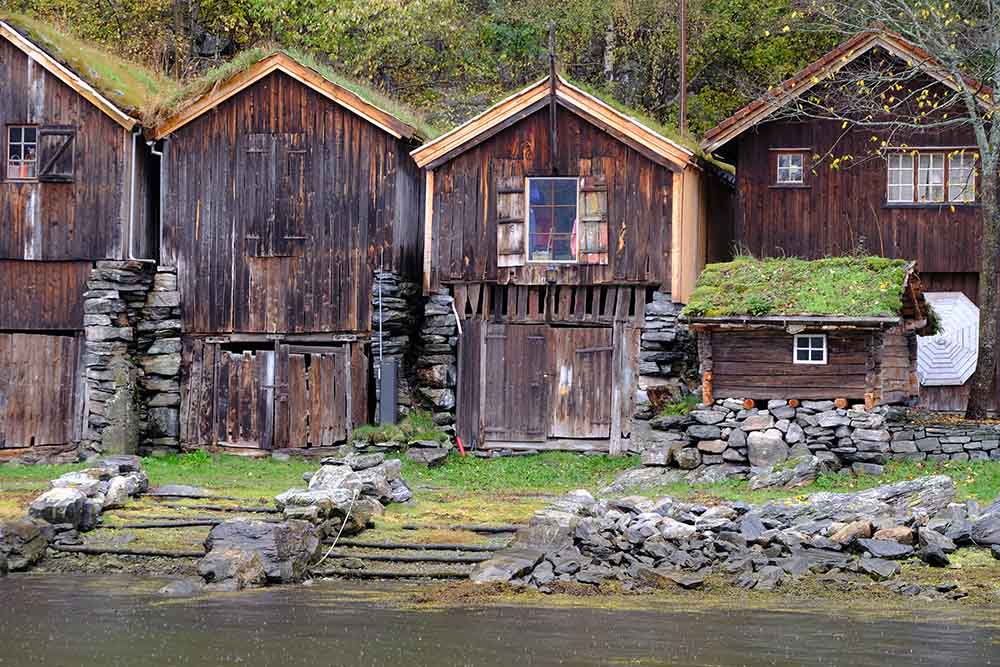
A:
54,620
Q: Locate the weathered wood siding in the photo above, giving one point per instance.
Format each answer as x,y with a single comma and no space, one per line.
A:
758,365
277,207
39,387
639,200
838,208
85,219
42,295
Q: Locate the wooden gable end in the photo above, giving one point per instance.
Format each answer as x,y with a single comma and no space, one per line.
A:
478,211
72,201
279,205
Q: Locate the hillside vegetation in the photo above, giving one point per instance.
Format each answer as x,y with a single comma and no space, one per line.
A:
451,58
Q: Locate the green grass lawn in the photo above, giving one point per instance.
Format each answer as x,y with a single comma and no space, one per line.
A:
468,483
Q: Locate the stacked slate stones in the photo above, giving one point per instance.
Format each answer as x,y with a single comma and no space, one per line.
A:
667,356
437,364
116,293
397,318
640,542
159,346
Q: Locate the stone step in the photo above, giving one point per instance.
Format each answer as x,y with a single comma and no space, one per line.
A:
415,557
416,546
390,574
485,529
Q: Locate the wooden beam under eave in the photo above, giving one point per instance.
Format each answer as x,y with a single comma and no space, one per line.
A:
677,239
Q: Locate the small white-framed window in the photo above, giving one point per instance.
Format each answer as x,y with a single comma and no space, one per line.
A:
22,152
809,349
552,219
962,177
790,169
930,177
900,178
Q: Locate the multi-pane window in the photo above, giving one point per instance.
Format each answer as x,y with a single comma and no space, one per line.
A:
809,349
552,219
790,168
901,178
22,152
962,177
930,177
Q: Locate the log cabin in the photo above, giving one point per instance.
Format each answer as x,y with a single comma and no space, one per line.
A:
841,329
284,189
913,198
553,220
72,189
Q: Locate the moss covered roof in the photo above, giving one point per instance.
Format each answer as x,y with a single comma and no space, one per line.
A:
198,87
831,287
130,86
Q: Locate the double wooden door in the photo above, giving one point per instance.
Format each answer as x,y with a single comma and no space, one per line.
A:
541,382
277,397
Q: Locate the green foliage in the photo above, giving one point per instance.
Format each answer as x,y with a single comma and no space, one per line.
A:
551,472
680,407
415,426
451,58
845,286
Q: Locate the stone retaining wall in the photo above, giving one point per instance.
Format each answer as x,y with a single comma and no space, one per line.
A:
667,356
437,359
131,359
726,434
399,317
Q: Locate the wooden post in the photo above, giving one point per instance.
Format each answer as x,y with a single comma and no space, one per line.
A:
706,388
840,403
793,403
869,401
749,404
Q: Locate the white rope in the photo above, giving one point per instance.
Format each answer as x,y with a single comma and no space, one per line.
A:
329,551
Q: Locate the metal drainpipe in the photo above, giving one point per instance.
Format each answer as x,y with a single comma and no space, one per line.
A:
159,154
131,203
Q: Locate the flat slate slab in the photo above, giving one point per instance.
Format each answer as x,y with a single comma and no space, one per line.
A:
180,491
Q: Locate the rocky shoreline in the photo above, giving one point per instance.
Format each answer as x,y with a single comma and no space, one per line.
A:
643,543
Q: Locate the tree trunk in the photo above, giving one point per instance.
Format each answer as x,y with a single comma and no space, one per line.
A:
981,385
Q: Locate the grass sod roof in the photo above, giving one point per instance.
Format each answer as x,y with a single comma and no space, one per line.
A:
834,287
129,85
196,88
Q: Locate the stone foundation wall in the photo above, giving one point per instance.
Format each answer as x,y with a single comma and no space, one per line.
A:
437,360
667,357
735,439
131,359
399,317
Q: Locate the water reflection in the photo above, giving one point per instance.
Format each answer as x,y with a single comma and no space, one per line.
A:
61,620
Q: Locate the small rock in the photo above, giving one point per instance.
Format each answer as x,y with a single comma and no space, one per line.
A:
232,569
769,578
928,538
428,457
888,549
986,530
183,587
879,568
852,531
873,469
901,534
934,556
996,551
117,494
688,458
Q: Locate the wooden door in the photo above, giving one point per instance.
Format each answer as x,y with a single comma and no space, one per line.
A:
38,390
318,396
244,398
581,384
515,399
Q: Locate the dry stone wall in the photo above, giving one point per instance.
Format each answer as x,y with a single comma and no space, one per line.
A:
437,360
396,309
667,356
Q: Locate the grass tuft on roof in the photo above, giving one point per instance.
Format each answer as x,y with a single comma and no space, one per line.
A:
202,85
129,85
836,286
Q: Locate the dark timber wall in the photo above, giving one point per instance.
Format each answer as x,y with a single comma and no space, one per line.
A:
838,207
639,205
277,207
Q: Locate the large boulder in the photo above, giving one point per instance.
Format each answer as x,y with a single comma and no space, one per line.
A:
766,449
507,565
87,482
232,569
332,477
898,503
22,543
117,494
61,505
986,529
285,549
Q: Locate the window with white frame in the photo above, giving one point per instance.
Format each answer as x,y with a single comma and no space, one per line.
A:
809,349
930,177
962,177
790,169
22,152
552,219
900,178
